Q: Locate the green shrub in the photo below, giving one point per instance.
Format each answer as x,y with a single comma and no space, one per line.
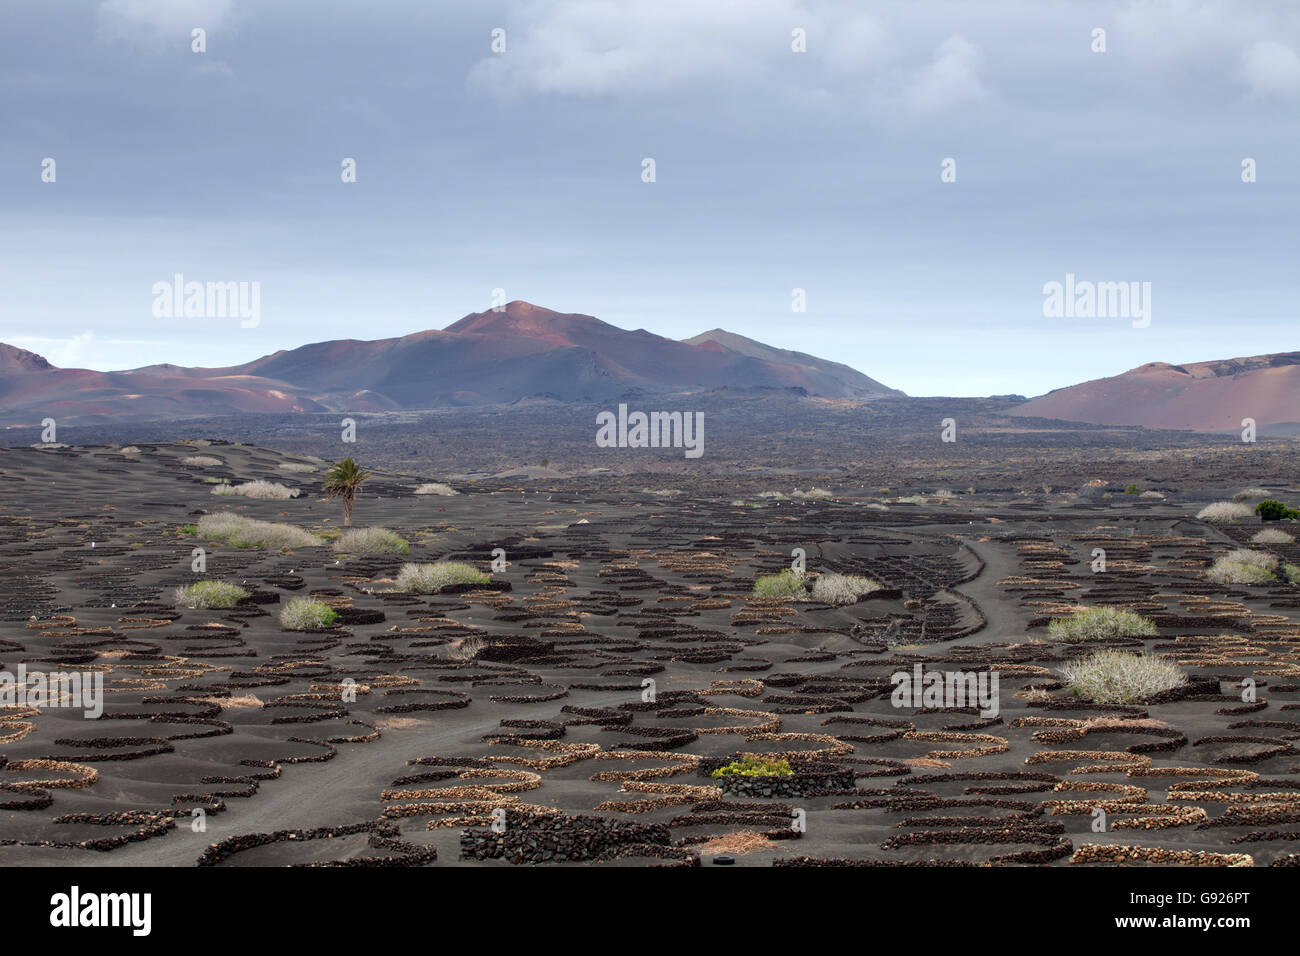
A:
1292,572
302,613
431,578
788,585
1132,489
1117,677
215,594
371,541
241,532
1272,510
1099,623
751,765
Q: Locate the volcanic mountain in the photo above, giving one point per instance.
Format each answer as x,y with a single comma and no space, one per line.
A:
1205,396
819,376
522,351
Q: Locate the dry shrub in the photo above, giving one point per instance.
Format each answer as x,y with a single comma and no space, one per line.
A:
466,649
841,589
1117,677
257,489
398,723
1243,567
1225,512
738,843
234,703
816,493
435,488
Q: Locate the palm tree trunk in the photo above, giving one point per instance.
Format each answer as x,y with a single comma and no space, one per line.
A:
347,511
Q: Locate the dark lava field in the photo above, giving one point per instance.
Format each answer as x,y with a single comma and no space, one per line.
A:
573,708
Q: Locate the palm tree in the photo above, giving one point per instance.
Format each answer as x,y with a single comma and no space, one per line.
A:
344,480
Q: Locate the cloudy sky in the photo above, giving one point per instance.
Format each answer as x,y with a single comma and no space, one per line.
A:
775,170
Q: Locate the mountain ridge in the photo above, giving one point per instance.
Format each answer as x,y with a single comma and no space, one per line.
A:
1213,395
494,357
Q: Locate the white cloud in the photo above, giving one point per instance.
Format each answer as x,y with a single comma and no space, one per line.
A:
72,352
150,21
1171,29
854,46
1271,69
853,61
585,48
950,79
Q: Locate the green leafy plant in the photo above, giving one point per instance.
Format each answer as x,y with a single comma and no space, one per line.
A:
752,765
241,532
303,613
1099,623
788,585
1272,510
431,578
213,594
371,541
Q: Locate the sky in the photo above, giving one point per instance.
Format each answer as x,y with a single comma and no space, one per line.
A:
522,169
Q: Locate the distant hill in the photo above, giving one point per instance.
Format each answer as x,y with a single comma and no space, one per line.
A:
818,376
1205,396
521,352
